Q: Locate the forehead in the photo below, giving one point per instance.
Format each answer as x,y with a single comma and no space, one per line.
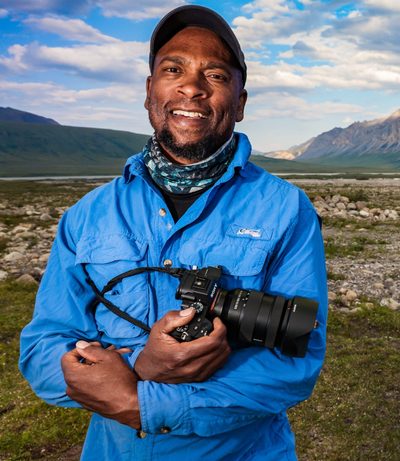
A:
196,42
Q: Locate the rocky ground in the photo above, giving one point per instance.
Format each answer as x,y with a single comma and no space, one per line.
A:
361,233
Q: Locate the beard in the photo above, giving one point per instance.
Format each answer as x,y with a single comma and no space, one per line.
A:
195,152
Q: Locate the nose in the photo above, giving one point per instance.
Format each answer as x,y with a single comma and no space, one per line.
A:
193,86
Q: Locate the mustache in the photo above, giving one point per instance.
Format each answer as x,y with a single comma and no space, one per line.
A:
189,107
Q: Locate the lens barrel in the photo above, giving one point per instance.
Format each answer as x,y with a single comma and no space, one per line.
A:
254,317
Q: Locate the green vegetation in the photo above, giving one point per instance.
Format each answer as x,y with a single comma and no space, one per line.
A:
28,149
351,416
351,246
334,276
358,390
31,429
353,413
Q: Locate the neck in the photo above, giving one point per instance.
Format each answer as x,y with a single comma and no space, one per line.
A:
179,160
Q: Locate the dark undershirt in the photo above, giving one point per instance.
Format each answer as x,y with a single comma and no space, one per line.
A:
179,203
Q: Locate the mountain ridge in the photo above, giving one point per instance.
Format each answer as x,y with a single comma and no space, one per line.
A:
360,140
9,114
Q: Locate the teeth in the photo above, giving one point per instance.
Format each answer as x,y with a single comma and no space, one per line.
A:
188,114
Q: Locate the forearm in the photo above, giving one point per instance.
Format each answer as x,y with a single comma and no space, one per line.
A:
255,383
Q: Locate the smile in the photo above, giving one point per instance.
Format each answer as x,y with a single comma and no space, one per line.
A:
188,114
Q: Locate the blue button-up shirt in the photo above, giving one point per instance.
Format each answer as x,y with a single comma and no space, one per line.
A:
264,233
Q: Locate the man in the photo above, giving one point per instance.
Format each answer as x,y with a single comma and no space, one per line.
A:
190,199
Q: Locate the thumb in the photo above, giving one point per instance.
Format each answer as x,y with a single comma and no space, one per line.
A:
90,352
174,319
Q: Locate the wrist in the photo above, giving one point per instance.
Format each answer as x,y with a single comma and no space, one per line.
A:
130,415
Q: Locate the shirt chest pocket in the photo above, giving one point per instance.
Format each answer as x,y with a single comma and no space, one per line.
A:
243,258
106,257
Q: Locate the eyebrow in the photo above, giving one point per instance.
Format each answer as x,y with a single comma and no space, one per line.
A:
209,65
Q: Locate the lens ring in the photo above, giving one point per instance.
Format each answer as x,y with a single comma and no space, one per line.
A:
275,320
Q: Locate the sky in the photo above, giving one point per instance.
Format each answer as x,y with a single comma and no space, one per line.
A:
312,64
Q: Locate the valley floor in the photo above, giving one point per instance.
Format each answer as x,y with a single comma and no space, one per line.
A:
353,413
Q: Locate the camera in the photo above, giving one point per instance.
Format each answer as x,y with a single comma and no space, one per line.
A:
251,317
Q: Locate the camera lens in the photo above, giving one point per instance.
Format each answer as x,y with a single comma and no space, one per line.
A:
254,317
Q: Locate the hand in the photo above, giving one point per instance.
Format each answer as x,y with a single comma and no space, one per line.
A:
166,360
103,383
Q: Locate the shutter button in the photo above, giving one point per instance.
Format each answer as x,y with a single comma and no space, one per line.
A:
165,430
162,212
167,263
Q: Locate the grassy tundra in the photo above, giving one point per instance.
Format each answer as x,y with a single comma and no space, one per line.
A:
353,413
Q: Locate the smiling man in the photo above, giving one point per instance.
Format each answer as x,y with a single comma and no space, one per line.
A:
190,199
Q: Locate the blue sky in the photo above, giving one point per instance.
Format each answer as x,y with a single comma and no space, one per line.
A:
312,64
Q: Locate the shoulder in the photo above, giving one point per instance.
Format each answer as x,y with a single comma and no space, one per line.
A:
98,205
266,187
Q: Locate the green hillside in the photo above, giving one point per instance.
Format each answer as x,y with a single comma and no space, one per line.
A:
30,150
331,165
387,161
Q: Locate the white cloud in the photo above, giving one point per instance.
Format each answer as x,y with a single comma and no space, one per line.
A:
389,5
15,61
283,105
118,62
113,106
359,51
131,10
70,29
3,13
112,8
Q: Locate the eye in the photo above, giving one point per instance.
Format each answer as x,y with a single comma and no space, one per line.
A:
171,70
217,76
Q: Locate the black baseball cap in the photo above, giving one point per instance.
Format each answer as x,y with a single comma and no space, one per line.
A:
196,16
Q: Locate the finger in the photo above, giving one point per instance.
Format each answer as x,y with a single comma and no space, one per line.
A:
206,346
71,357
219,327
71,362
123,350
91,353
174,319
200,369
211,367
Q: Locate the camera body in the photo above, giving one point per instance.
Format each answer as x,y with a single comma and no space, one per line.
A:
251,317
197,289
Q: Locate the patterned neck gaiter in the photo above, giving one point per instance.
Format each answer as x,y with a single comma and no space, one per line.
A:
184,179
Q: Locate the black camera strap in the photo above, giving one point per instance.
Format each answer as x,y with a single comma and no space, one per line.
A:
100,298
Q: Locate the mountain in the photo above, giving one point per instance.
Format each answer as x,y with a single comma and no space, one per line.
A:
371,143
29,149
8,114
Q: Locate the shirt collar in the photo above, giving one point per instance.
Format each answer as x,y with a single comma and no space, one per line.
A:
135,166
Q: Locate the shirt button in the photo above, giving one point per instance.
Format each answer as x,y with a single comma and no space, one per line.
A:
167,263
162,212
165,430
141,434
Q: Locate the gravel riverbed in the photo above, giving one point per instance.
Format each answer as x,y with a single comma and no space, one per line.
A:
361,231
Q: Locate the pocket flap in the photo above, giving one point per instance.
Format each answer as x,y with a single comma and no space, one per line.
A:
236,255
103,249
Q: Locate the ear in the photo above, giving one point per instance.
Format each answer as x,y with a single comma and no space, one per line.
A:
241,104
148,90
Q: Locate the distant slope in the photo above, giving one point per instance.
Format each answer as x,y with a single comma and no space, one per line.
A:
371,144
8,114
274,165
31,149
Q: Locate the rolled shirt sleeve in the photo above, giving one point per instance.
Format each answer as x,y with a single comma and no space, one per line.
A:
61,316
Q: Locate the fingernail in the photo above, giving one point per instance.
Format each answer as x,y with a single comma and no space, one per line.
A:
82,344
186,312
